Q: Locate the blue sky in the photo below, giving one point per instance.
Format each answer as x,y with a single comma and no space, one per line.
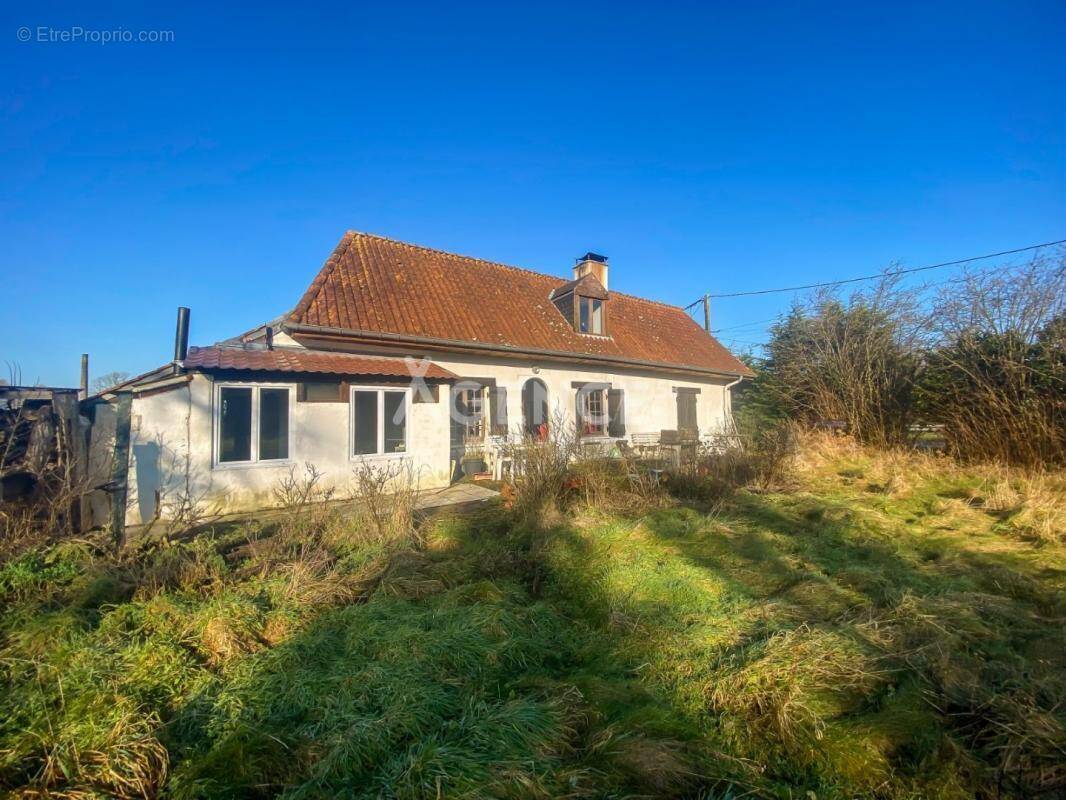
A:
702,147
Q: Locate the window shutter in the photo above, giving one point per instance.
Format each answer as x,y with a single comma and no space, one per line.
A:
456,405
616,412
498,410
686,412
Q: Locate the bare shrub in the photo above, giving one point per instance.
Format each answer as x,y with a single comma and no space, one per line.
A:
997,379
107,380
183,515
760,461
20,530
54,506
295,492
305,519
541,469
618,484
308,543
305,502
386,495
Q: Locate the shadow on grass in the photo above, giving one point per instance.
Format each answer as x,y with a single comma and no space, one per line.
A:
972,635
675,655
482,685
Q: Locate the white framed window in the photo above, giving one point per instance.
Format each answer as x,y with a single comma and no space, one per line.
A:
252,424
471,405
379,417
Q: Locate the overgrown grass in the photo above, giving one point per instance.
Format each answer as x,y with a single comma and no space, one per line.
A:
883,626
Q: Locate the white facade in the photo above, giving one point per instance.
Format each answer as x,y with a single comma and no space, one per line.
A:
174,430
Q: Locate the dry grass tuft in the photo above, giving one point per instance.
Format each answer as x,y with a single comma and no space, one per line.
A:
794,682
1040,512
224,640
162,566
1017,725
1030,504
121,758
660,765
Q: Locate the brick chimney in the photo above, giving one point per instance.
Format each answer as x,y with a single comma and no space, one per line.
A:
592,263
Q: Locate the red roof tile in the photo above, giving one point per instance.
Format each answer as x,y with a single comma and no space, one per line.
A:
371,284
291,359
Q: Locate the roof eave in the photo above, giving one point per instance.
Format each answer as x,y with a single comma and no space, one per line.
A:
463,346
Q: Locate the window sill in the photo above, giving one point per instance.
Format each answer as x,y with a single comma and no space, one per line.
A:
379,457
239,465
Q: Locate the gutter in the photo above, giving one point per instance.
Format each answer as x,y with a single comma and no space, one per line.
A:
458,345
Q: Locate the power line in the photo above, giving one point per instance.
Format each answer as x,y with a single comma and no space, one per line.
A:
880,274
923,288
746,324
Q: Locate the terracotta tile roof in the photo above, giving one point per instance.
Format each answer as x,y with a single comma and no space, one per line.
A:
292,359
376,285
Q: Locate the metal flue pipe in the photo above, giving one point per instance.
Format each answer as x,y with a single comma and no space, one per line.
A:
181,336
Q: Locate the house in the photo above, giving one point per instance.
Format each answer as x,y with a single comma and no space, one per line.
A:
402,354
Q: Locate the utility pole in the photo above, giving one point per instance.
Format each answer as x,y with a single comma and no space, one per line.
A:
707,313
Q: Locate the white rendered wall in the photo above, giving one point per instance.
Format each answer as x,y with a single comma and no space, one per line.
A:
172,431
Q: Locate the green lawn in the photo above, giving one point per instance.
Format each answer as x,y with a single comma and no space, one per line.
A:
876,629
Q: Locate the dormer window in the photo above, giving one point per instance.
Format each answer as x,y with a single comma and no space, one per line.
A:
582,301
590,315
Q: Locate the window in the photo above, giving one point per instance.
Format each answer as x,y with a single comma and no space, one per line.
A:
470,404
535,409
273,424
592,421
379,421
252,424
235,424
590,315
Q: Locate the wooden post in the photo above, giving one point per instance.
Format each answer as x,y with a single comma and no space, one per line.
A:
120,466
707,313
84,376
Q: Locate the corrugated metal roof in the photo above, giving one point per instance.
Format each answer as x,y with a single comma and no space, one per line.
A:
292,359
374,284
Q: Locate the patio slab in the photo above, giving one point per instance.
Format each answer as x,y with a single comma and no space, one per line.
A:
456,494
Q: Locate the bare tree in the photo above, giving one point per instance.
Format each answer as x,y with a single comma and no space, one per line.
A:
996,378
109,379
